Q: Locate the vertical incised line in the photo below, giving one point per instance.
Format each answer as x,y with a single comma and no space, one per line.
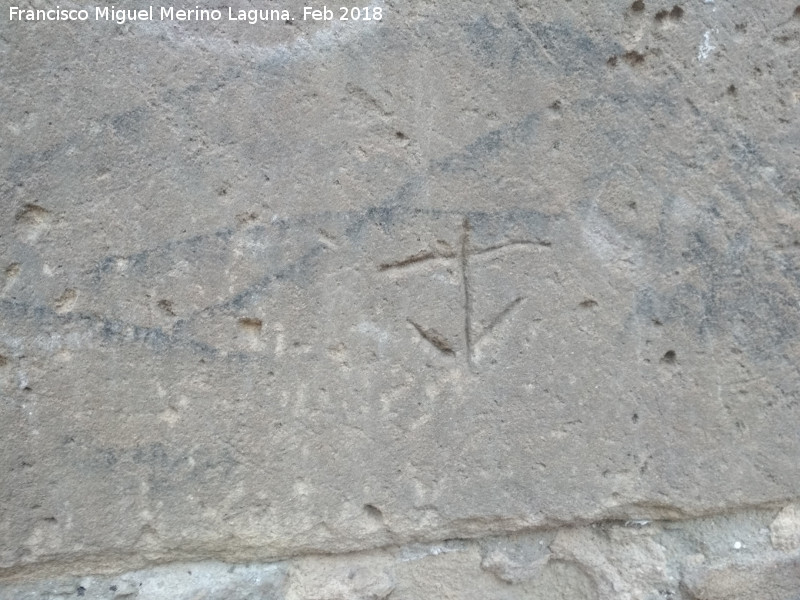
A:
467,297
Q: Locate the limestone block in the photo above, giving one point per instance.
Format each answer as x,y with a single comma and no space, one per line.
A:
624,563
326,286
785,529
189,581
352,578
455,573
516,560
766,579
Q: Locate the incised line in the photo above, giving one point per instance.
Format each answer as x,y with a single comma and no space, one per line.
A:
465,281
435,338
414,259
498,319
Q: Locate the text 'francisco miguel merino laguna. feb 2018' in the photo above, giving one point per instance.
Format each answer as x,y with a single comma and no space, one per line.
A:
170,13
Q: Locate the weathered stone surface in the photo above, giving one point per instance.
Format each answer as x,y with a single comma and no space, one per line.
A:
199,581
355,578
760,580
324,287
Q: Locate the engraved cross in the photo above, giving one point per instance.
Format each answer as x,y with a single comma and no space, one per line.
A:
462,255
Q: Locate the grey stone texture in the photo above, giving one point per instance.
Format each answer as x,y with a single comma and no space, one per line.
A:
479,270
712,558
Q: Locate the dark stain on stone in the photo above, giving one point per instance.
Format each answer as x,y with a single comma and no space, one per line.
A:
488,146
545,44
675,14
485,39
129,123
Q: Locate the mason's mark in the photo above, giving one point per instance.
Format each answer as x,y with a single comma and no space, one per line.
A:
462,255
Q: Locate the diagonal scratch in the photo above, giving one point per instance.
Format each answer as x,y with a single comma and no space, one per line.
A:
436,339
544,243
499,318
414,259
409,260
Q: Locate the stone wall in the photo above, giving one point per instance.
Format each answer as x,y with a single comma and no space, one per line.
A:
477,300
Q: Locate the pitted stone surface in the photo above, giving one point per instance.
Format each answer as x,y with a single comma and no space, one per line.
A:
327,287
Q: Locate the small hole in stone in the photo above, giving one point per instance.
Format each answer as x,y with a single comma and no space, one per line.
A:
612,62
81,590
632,57
250,323
669,357
167,307
732,90
676,12
400,135
661,15
637,6
635,418
246,217
32,214
797,11
556,105
588,303
3,361
373,511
